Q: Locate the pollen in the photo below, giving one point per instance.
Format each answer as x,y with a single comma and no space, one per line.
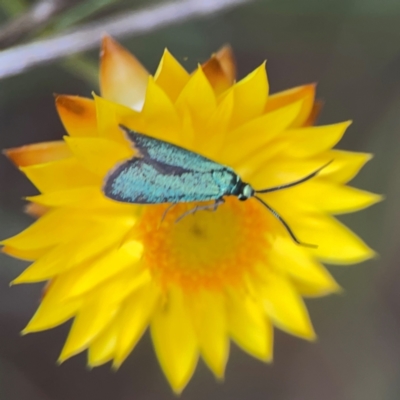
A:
205,249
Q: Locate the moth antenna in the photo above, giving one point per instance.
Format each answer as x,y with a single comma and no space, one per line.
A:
285,224
288,185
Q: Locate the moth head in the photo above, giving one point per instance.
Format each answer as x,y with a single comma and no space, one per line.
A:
246,192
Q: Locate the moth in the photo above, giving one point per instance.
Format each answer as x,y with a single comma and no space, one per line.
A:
166,173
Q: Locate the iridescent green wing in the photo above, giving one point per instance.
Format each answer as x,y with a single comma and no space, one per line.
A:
165,173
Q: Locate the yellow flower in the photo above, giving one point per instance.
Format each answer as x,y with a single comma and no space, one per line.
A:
213,276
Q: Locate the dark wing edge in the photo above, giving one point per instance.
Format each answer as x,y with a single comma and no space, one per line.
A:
110,178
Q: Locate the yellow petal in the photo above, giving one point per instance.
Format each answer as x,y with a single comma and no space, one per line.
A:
170,76
302,267
285,307
102,348
281,99
250,96
134,318
248,325
78,115
114,262
208,313
336,243
38,153
98,311
52,311
111,115
159,115
256,135
175,340
27,255
76,252
60,175
345,165
93,317
123,79
99,155
324,195
210,143
198,98
77,196
307,142
279,170
41,235
348,199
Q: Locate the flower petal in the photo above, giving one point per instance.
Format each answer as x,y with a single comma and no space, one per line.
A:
281,99
99,309
78,115
307,142
93,317
170,76
198,98
102,348
111,264
314,114
38,153
35,210
73,253
52,311
302,267
111,115
251,95
209,318
325,231
285,307
248,325
123,79
134,319
210,143
227,60
77,196
60,175
256,135
159,115
215,73
99,155
345,165
282,170
27,255
320,194
41,235
175,340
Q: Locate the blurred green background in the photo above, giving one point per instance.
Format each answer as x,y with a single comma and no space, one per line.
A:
352,49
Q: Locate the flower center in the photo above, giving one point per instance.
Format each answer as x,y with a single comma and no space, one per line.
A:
205,249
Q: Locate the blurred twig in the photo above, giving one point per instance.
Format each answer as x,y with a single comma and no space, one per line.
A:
82,67
14,7
21,58
30,20
79,12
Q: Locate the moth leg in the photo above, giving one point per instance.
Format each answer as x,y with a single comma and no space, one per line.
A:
166,211
217,203
209,207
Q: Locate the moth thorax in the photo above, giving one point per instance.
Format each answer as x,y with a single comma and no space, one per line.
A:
246,192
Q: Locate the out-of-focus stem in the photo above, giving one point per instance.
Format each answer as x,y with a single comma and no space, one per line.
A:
19,59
